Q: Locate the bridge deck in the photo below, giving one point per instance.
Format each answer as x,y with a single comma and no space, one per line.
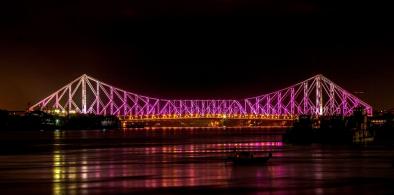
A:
209,122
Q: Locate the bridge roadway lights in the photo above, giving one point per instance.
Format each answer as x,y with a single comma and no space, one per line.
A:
208,122
241,117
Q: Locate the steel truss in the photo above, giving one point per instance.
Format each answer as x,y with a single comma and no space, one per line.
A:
317,96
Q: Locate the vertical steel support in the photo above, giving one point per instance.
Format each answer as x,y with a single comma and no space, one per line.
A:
344,104
279,103
69,98
136,105
57,101
83,94
319,97
245,104
191,107
225,107
292,100
181,112
214,109
111,99
203,107
148,106
124,103
98,98
157,109
332,99
305,98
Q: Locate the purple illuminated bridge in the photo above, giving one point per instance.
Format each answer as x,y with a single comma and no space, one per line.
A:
316,96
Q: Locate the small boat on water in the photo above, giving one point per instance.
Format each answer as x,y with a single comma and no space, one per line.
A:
248,158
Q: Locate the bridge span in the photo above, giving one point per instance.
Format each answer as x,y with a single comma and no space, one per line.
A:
211,120
316,96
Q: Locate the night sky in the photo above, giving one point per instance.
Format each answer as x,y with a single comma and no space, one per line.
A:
195,48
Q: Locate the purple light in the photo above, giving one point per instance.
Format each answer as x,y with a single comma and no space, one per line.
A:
315,96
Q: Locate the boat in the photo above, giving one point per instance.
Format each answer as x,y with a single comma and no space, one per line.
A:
248,158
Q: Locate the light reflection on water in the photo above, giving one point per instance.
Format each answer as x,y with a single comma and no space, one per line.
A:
181,165
171,162
150,165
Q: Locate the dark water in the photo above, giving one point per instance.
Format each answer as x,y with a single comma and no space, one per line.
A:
188,161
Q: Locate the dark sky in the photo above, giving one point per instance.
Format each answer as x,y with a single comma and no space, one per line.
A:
195,48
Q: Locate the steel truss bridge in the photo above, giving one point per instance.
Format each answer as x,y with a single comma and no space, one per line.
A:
316,96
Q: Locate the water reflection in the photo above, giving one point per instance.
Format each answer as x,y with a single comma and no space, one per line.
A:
148,165
156,162
59,172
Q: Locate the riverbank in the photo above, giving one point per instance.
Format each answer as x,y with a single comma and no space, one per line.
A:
37,121
354,129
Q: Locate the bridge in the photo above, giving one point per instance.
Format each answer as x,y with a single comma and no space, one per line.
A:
316,96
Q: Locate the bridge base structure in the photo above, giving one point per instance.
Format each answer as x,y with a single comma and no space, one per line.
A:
211,121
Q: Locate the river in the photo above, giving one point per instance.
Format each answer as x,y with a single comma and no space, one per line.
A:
186,161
